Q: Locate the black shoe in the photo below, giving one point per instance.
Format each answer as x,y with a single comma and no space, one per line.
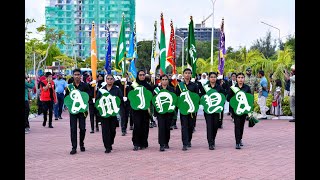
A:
189,145
211,147
123,133
194,130
175,127
161,148
150,125
184,148
142,148
73,151
107,150
60,117
171,127
166,146
43,124
55,118
92,131
82,148
131,127
241,144
221,127
238,146
50,126
292,120
135,148
97,129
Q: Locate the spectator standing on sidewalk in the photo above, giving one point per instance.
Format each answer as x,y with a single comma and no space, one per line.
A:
292,92
60,88
263,95
276,108
48,97
29,84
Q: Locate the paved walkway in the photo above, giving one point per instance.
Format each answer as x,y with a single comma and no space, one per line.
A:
268,153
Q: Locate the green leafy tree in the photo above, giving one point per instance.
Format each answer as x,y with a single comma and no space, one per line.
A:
265,46
144,49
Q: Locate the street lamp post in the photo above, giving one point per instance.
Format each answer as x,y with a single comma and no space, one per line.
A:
212,32
182,39
273,27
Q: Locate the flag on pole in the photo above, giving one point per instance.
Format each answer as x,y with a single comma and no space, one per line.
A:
154,52
121,51
222,49
192,52
107,66
132,55
163,57
171,57
93,53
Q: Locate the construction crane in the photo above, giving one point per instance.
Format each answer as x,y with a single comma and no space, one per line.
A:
203,22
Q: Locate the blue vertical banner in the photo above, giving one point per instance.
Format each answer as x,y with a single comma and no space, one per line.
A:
222,49
132,54
107,66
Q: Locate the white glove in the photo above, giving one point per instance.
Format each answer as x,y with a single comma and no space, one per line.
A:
123,79
174,77
93,100
93,82
103,91
193,80
103,84
159,84
125,99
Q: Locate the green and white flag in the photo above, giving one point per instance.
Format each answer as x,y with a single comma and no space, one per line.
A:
139,97
163,56
212,101
121,51
192,52
188,102
241,102
165,101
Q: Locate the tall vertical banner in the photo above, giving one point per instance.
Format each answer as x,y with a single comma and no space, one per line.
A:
107,66
192,52
154,52
93,53
132,54
163,57
171,57
222,49
121,50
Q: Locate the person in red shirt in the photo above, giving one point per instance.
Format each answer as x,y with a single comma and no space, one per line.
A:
47,97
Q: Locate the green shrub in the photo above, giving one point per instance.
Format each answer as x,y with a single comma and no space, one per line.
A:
285,104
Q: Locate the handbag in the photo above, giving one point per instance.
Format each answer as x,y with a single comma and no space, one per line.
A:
274,103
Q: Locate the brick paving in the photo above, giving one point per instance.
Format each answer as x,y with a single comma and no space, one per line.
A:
268,153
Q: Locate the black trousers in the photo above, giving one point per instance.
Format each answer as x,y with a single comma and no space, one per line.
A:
187,125
92,113
212,121
26,114
74,118
140,127
108,126
47,105
221,118
175,117
60,98
131,118
124,113
164,123
239,122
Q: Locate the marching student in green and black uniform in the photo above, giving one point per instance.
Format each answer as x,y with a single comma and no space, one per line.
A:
108,107
188,120
80,112
140,115
213,106
164,102
239,120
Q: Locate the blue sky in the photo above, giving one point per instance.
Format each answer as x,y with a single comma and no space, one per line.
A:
242,17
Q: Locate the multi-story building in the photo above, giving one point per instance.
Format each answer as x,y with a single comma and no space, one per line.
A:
201,33
75,18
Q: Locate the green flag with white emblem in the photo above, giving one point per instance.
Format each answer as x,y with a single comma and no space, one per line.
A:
192,52
121,50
